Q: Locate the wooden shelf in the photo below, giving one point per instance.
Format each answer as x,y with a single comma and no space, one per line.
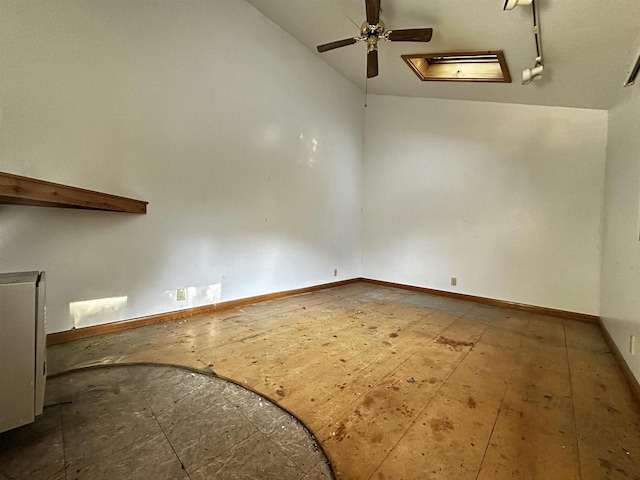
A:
17,190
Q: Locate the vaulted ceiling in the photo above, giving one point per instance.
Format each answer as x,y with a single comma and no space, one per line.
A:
589,46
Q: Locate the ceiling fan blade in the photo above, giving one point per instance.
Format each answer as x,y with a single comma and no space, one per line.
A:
411,35
373,11
372,64
337,44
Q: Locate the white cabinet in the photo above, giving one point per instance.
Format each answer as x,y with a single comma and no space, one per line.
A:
23,363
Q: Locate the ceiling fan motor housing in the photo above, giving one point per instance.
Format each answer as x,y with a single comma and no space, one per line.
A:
372,33
369,31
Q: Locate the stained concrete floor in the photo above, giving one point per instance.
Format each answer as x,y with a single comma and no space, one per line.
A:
162,423
403,385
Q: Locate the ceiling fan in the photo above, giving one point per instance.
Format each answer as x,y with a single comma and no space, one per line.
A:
372,30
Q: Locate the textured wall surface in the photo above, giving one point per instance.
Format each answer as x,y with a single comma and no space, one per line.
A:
247,147
506,198
620,308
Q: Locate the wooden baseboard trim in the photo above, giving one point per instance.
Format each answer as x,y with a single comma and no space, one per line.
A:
581,317
634,386
77,334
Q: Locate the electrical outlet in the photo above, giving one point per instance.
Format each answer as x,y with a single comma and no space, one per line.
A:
181,294
454,281
632,344
335,272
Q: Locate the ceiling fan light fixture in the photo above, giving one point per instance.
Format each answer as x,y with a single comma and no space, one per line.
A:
511,4
372,43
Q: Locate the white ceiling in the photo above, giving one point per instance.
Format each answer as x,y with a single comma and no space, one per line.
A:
589,46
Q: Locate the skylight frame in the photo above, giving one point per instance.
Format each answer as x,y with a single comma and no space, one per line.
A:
464,59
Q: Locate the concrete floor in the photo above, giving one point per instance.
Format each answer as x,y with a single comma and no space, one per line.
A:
403,385
160,423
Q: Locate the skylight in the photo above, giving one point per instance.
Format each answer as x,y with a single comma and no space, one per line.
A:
460,66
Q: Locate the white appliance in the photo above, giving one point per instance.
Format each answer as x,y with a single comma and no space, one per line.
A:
23,354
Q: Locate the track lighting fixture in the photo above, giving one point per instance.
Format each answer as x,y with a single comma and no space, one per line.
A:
511,4
535,73
531,74
634,74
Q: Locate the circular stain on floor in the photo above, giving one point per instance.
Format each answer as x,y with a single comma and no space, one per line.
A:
158,422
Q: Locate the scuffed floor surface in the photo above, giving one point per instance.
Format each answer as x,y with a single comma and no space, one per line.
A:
158,423
402,385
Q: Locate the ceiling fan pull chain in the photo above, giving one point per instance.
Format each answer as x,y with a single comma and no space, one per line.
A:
366,91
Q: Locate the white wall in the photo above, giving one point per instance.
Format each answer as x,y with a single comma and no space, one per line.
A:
507,198
249,149
247,146
620,305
